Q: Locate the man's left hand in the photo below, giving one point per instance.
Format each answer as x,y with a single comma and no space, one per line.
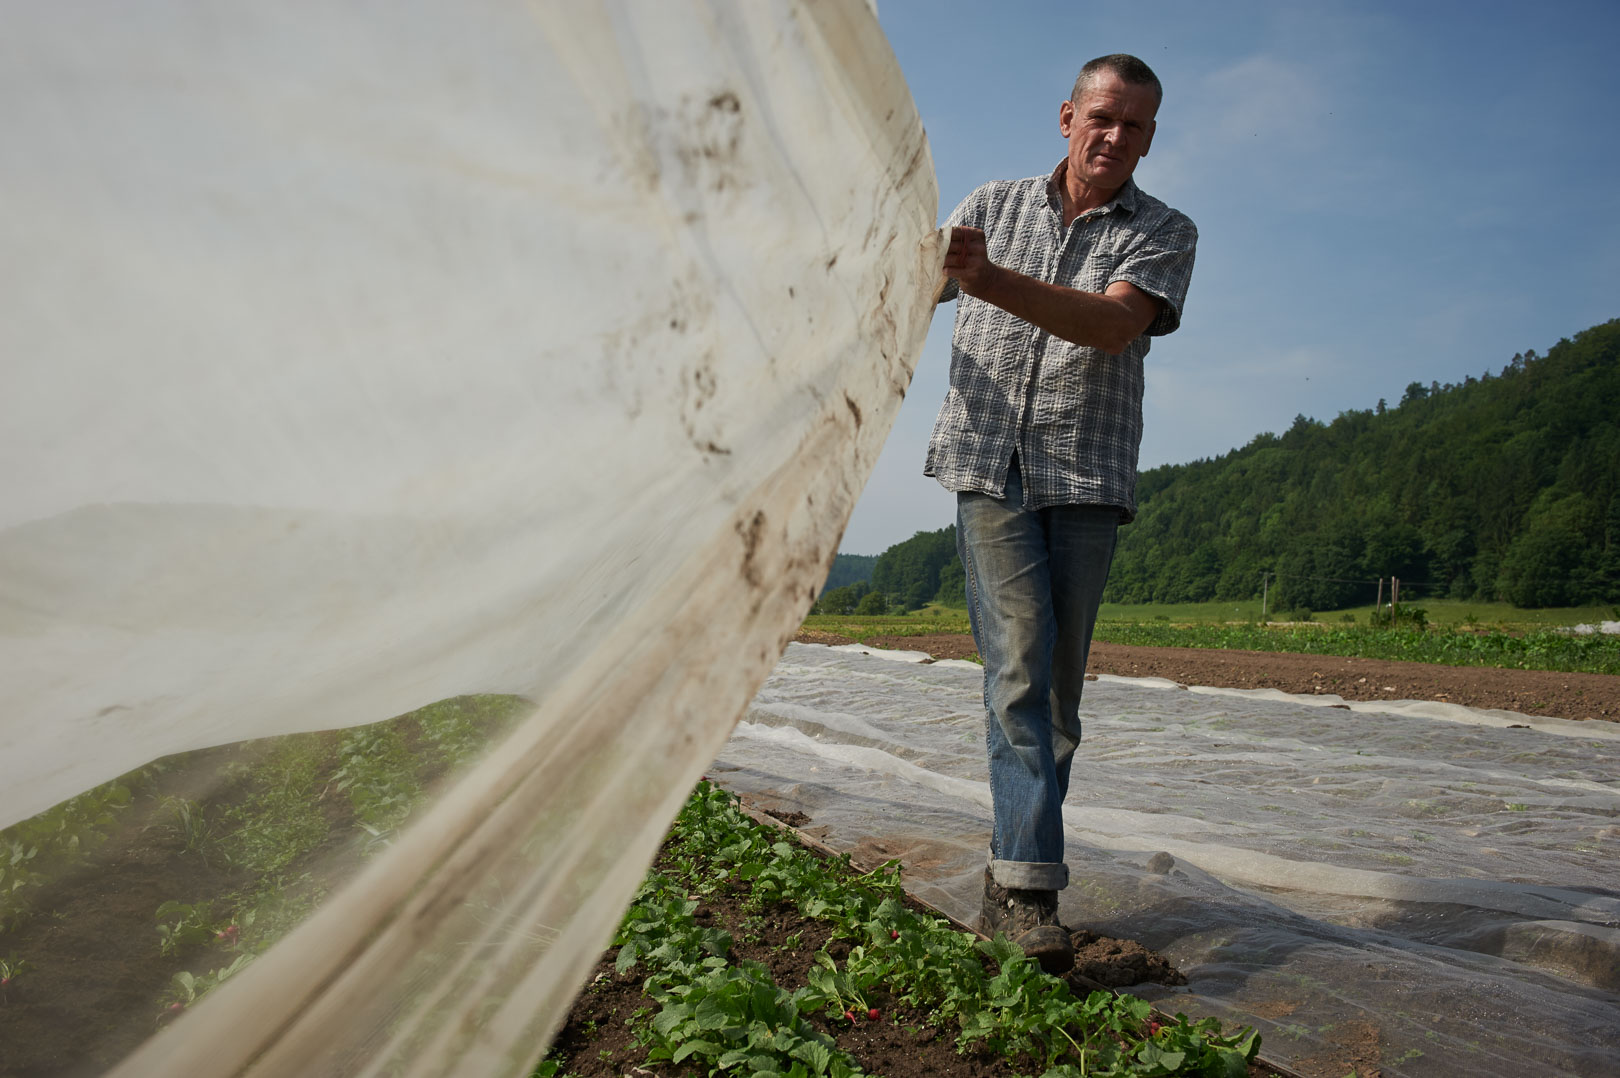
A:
968,260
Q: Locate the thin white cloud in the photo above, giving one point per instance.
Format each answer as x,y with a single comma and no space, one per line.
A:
1262,95
1274,129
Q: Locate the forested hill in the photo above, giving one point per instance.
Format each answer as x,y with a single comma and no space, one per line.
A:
1506,486
849,569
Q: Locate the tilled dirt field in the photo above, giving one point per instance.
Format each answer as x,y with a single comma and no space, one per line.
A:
1529,692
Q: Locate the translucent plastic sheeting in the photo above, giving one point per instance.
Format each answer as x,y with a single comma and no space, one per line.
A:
368,354
1420,887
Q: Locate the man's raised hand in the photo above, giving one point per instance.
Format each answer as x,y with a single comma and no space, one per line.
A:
968,260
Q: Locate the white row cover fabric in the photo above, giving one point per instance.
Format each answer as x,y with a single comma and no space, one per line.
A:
1415,884
364,354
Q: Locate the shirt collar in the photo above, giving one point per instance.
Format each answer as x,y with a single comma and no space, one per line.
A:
1124,199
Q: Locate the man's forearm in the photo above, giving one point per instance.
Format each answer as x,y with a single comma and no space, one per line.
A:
1092,319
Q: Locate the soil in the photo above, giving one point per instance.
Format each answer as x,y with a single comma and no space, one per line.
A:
1528,692
597,1042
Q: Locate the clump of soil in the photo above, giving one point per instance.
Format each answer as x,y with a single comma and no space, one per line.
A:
1114,963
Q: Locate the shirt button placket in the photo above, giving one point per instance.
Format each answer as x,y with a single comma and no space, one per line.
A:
1039,341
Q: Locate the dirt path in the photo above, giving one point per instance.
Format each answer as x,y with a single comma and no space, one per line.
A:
1529,692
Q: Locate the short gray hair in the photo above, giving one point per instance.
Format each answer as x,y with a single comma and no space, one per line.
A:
1129,69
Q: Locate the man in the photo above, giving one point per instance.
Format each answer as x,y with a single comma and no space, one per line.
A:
1061,282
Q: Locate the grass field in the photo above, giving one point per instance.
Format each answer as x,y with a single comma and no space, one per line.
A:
1442,613
1459,633
1445,613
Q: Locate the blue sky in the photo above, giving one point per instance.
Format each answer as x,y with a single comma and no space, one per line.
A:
1385,193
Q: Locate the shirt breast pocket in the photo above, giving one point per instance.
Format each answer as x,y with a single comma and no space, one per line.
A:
1089,265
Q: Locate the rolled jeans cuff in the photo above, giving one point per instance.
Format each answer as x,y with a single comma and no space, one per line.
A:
1030,875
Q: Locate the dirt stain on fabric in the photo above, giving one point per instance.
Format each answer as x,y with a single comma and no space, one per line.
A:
751,531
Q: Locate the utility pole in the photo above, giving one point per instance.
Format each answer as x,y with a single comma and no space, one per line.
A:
1394,596
1378,607
1265,592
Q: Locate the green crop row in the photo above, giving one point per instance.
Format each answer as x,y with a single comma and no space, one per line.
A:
730,1017
1463,645
1542,650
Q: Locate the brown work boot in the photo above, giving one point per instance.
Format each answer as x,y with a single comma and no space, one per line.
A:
1029,919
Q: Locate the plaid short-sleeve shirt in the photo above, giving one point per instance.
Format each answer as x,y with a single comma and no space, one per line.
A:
1072,414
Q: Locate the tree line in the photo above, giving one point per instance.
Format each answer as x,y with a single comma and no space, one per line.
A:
910,574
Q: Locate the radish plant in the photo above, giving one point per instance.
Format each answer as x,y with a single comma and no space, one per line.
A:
183,924
12,967
187,988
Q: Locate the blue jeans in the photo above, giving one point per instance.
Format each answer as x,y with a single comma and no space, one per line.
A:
1034,580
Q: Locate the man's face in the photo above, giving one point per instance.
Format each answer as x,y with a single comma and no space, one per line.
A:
1108,130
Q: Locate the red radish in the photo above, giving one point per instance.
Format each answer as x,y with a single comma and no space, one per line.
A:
850,1015
894,933
872,1015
